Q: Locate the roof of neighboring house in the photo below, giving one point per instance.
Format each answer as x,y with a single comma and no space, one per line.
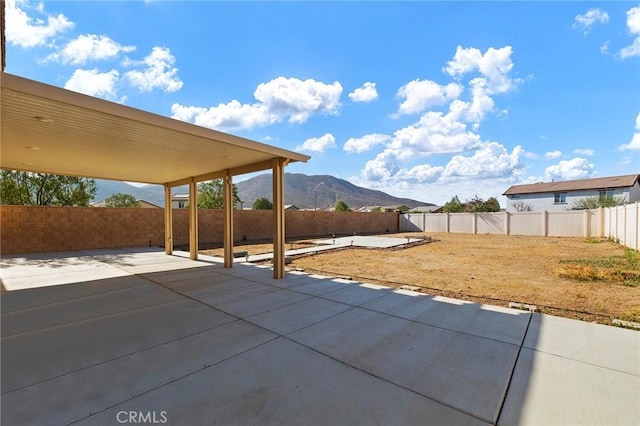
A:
575,185
177,197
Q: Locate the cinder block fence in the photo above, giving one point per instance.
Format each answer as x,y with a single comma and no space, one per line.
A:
620,223
34,229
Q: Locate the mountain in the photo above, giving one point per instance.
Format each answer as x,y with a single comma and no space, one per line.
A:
299,191
151,193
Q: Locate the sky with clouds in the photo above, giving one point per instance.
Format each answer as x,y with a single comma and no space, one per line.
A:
425,100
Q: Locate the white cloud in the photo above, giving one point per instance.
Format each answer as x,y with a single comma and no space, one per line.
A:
381,168
552,154
633,24
366,93
592,17
585,152
604,47
278,99
365,143
95,83
421,173
89,47
491,160
434,133
576,168
299,99
318,145
634,144
418,95
159,72
494,65
230,116
24,31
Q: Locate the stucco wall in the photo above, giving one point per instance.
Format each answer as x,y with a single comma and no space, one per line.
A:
544,201
29,229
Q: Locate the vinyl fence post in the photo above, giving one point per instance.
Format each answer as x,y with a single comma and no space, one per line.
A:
507,218
545,223
585,219
474,224
636,224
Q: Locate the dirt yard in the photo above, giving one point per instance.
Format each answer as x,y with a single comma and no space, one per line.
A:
595,280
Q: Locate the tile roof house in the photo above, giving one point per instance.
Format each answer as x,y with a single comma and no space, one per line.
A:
559,196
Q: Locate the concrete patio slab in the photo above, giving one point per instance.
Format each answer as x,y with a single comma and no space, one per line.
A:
457,315
250,300
39,296
431,361
121,379
295,386
298,315
356,294
564,392
368,241
601,345
90,307
27,358
206,344
313,285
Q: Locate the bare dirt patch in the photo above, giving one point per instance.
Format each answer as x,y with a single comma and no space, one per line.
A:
497,269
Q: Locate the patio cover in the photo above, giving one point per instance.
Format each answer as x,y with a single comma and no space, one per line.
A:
47,129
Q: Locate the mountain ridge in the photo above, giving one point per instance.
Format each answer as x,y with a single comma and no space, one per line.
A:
303,191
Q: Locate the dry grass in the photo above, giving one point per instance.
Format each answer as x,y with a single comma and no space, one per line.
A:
573,277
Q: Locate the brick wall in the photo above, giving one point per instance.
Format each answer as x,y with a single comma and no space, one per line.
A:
30,229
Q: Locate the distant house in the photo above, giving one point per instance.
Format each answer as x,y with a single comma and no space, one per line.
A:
291,207
143,204
179,201
147,205
558,196
425,209
384,209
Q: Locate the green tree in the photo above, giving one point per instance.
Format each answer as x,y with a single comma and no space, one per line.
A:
453,206
211,195
262,204
402,208
376,210
597,202
491,205
41,189
341,206
475,204
121,200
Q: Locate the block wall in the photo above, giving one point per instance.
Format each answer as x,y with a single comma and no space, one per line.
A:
35,229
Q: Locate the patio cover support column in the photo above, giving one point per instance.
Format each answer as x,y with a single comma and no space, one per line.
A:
168,221
193,220
228,220
278,217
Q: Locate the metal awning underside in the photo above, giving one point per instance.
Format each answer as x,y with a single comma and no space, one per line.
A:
52,130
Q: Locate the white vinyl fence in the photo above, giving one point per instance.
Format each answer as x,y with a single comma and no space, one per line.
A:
620,223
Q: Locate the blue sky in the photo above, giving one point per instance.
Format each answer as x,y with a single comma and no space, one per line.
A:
425,100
